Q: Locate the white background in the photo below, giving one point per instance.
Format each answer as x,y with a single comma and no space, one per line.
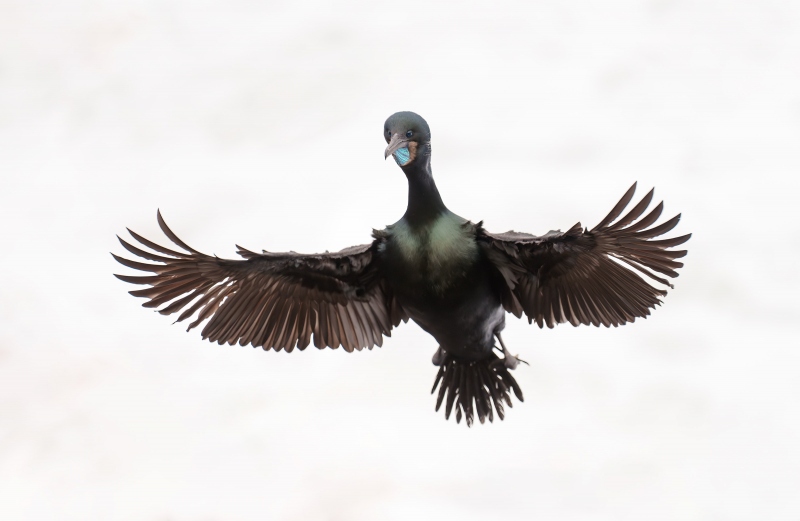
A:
259,123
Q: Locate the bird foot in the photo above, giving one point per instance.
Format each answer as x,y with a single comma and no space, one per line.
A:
438,357
512,361
509,360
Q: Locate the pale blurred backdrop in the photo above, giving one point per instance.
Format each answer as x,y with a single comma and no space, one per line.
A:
259,123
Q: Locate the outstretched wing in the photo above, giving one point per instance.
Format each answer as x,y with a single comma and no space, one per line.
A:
598,276
271,300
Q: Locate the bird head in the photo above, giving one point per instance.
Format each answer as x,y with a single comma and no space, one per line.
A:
408,136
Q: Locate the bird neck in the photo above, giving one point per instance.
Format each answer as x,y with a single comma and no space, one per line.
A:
425,204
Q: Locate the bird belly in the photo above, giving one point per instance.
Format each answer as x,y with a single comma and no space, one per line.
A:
461,313
465,330
440,279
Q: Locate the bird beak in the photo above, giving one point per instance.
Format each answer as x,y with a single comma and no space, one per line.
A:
395,143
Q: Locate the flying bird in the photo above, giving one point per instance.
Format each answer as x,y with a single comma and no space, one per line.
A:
449,275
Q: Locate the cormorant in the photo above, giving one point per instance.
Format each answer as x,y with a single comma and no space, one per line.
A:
449,275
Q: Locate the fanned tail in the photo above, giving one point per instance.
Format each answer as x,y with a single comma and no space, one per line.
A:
473,387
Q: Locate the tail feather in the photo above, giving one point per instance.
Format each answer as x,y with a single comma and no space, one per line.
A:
475,387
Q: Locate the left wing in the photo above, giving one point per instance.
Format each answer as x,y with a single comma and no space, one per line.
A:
271,300
588,276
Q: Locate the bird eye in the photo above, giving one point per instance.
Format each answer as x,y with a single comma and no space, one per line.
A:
409,134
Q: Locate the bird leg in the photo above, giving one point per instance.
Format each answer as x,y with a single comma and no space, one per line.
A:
438,357
509,360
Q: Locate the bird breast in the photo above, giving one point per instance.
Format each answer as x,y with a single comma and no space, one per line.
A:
438,254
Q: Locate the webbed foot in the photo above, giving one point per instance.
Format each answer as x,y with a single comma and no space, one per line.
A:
509,360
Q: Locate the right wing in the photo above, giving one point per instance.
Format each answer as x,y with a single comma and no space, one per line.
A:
270,300
581,276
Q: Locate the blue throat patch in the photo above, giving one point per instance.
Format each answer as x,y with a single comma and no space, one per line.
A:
401,156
